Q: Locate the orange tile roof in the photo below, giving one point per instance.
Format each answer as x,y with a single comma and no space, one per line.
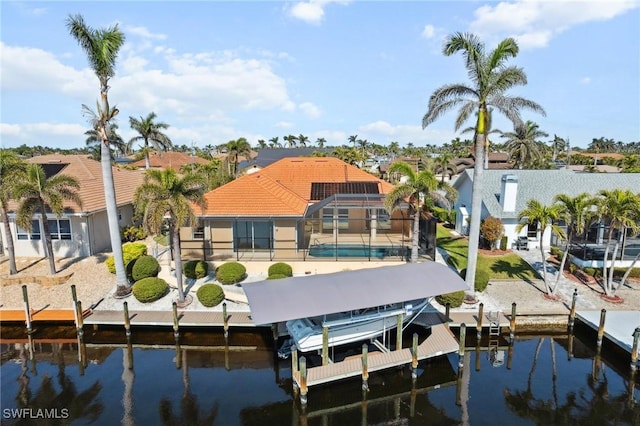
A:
169,159
283,188
89,174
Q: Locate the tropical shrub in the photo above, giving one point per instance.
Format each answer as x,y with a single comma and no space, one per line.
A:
133,233
231,273
556,251
503,242
481,280
441,214
619,272
281,268
145,267
130,251
277,276
195,269
453,299
210,295
150,289
491,230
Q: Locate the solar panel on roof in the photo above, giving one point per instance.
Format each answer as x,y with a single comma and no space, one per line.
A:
322,190
52,169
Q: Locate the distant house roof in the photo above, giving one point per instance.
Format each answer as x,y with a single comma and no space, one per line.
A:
268,156
286,187
168,159
89,174
543,185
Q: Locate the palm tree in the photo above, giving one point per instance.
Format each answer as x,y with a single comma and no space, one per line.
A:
150,133
291,140
558,145
353,139
236,149
37,193
12,170
577,213
542,217
165,194
302,140
417,188
443,163
94,141
273,142
522,143
491,79
394,149
262,144
620,209
320,142
488,130
599,145
101,47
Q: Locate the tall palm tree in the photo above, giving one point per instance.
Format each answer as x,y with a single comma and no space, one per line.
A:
542,217
94,141
620,209
101,47
394,149
443,163
274,143
522,143
163,194
37,193
12,170
320,142
353,139
150,132
491,79
418,187
558,145
236,149
578,213
291,140
302,140
262,144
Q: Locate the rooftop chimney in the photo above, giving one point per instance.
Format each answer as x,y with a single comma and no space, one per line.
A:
508,193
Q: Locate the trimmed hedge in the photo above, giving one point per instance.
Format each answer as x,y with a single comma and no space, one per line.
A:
619,272
210,295
481,280
281,268
231,273
277,276
453,299
150,289
145,267
130,251
195,269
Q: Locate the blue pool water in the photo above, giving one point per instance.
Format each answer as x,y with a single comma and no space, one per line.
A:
355,250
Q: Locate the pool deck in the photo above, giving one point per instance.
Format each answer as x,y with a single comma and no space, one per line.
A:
619,326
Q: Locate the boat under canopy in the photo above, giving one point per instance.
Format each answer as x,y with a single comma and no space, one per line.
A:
274,301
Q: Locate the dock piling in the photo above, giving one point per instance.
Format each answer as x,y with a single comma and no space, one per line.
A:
414,356
225,319
603,315
512,322
27,310
399,333
176,322
479,323
463,337
634,349
178,358
74,297
572,312
80,325
325,345
447,312
127,320
365,367
303,381
294,369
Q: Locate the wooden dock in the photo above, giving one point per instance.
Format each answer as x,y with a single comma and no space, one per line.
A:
440,342
165,318
618,328
470,319
42,315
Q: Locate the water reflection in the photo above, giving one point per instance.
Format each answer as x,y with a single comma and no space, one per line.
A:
206,379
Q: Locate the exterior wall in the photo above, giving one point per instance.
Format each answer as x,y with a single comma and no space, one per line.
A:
99,232
285,236
510,226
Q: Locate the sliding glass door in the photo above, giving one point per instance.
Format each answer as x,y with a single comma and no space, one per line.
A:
252,235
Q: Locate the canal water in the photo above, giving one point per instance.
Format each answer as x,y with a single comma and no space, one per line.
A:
203,379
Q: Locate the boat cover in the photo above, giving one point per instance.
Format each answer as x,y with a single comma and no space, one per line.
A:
285,299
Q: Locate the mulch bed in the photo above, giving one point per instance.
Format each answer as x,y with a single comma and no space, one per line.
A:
496,252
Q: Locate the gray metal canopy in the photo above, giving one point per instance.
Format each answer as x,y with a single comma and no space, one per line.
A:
285,299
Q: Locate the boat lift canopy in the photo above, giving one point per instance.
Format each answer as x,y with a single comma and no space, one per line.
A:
274,301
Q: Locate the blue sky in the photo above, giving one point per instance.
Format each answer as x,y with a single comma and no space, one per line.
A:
217,71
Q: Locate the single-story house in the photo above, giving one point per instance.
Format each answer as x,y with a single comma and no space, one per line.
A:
505,194
319,207
78,232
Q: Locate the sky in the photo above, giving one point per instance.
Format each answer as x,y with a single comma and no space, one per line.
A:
220,70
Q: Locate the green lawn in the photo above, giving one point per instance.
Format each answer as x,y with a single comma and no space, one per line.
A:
509,266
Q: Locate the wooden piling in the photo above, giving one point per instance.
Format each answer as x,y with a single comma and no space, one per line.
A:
127,320
634,349
225,319
129,352
570,346
510,355
447,313
572,312
478,353
325,345
603,315
176,322
178,352
399,333
463,337
80,325
479,323
294,369
27,310
303,380
365,367
414,356
74,297
512,322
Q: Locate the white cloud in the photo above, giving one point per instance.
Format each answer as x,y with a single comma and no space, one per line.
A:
312,11
429,31
382,132
310,110
143,32
40,131
283,124
534,23
585,80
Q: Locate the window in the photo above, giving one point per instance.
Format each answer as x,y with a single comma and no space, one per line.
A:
253,235
383,220
23,234
60,229
532,230
198,232
327,218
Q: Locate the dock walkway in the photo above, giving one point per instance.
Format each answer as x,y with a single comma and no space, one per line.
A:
619,325
165,318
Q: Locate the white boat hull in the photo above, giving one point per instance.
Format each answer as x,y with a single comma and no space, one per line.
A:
350,327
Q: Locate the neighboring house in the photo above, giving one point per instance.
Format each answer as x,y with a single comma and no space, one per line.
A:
77,233
267,156
297,208
506,193
167,159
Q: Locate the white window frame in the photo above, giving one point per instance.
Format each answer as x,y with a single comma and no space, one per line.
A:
22,234
197,233
58,235
532,233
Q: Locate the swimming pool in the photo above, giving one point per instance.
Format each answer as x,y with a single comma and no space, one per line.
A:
355,250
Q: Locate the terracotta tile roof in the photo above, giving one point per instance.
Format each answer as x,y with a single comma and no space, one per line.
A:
169,159
89,174
283,188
